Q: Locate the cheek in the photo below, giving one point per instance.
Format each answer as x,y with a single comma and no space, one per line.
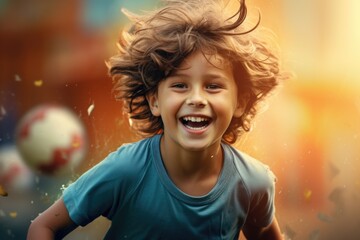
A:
169,106
228,101
227,107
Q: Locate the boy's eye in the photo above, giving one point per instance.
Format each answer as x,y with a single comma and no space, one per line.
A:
213,86
178,85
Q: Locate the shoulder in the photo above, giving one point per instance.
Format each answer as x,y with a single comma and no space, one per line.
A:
128,159
99,190
127,164
256,175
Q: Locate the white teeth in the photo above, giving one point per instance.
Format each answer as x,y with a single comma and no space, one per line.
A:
195,119
196,128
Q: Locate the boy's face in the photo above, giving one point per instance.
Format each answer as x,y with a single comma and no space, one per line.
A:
197,102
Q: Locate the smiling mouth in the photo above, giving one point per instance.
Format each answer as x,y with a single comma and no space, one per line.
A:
195,123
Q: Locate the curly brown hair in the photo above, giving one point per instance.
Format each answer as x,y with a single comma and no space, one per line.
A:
158,42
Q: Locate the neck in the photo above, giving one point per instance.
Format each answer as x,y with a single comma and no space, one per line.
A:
183,164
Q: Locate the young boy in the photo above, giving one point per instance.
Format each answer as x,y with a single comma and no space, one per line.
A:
191,79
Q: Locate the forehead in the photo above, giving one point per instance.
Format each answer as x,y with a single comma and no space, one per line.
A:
199,60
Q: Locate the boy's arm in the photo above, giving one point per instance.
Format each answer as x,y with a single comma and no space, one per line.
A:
54,223
271,232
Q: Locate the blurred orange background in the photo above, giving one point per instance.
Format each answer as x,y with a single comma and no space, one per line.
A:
309,133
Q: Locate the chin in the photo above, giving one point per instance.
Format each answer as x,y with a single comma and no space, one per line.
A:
196,146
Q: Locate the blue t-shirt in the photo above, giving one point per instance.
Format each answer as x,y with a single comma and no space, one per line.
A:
132,189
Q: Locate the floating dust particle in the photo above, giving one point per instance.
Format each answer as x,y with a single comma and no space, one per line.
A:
324,218
45,198
17,78
13,214
38,83
334,171
2,112
337,196
3,191
307,194
90,109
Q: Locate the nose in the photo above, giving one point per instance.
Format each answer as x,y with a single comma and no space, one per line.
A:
196,98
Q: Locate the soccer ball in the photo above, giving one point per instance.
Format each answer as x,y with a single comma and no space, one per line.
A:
51,139
14,174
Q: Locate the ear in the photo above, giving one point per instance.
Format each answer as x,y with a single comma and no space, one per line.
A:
240,108
153,104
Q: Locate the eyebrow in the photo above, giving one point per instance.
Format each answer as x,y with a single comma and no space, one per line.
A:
207,75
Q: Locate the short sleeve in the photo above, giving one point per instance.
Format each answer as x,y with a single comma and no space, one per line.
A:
262,208
105,189
259,182
94,193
